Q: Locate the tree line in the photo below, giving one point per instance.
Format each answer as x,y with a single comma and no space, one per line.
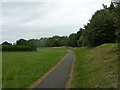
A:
103,27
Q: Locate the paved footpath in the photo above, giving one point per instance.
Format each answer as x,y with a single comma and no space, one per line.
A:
59,77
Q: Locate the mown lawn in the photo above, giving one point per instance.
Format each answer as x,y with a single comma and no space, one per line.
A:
21,69
0,70
96,67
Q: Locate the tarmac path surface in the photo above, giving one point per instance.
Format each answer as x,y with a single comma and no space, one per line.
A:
60,76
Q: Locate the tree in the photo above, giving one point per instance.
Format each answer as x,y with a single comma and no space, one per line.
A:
117,23
34,42
6,43
21,42
44,42
112,7
104,6
63,41
79,33
55,41
101,28
72,40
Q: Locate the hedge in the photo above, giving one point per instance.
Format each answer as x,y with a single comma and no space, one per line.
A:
17,48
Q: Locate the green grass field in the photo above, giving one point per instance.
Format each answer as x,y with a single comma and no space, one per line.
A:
96,67
0,70
21,69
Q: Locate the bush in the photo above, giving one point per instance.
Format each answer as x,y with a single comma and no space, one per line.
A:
81,41
18,48
101,28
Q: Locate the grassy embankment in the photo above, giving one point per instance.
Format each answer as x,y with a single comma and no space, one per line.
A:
96,67
21,69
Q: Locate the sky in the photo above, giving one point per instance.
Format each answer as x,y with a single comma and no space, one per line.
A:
30,19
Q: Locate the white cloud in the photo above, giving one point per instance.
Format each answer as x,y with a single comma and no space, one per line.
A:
46,18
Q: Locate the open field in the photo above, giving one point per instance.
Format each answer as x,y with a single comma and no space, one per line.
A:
0,70
21,69
96,67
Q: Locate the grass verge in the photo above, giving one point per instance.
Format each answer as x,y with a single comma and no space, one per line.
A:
21,69
96,67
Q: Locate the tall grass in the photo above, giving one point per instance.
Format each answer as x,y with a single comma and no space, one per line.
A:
96,67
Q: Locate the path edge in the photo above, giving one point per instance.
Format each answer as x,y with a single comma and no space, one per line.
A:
69,82
33,85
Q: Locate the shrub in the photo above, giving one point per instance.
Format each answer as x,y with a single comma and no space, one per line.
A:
18,48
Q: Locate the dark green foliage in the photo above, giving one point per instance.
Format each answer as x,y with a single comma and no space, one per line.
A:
6,43
72,40
79,33
80,38
34,42
21,42
18,48
81,41
117,24
101,28
44,42
55,41
104,6
112,7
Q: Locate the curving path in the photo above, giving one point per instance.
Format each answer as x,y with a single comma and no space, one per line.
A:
59,77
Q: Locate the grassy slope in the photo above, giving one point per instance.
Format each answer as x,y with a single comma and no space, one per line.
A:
96,67
21,69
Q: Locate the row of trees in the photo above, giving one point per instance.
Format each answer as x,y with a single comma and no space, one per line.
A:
55,41
18,48
103,27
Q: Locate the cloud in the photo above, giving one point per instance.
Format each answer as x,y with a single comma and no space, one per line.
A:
46,18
